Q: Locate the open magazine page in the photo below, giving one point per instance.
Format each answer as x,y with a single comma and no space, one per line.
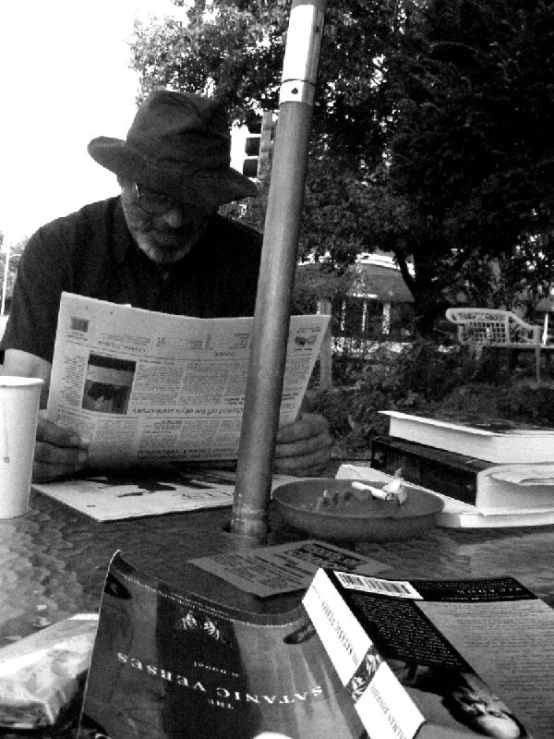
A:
169,664
519,665
145,386
471,653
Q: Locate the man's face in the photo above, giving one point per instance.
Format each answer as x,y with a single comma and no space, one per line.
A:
163,228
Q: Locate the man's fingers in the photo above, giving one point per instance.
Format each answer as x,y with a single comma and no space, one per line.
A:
309,424
304,446
312,465
52,462
48,472
59,452
49,454
56,435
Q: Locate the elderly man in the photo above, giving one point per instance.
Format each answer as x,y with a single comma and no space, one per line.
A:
161,246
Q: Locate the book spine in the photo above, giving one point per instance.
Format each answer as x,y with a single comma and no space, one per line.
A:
449,439
383,705
419,468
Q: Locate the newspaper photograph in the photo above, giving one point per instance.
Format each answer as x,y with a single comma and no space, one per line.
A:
143,386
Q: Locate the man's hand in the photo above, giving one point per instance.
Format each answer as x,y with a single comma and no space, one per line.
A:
303,447
59,452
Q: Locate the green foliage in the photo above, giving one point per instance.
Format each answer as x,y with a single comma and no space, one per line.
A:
250,211
336,222
431,134
420,376
513,401
314,282
235,51
472,147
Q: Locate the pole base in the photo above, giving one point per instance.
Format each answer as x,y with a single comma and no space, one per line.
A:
247,539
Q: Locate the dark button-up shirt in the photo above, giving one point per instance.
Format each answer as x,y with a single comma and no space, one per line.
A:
92,253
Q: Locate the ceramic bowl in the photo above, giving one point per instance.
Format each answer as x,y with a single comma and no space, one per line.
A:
357,517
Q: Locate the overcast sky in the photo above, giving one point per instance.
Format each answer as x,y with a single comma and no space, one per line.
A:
64,78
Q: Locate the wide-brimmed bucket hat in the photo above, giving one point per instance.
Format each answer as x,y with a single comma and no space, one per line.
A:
180,144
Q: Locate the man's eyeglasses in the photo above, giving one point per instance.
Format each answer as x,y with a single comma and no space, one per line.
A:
153,202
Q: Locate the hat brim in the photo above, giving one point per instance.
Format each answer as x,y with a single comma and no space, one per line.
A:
211,188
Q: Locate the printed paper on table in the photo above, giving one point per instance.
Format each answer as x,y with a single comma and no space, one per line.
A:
147,491
284,568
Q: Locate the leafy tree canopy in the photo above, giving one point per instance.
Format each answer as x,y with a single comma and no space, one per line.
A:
472,154
431,129
234,49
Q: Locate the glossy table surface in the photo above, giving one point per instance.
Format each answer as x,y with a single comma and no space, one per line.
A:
53,560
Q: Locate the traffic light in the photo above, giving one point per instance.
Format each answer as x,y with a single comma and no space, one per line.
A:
252,145
258,146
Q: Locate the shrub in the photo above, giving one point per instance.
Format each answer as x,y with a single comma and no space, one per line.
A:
418,377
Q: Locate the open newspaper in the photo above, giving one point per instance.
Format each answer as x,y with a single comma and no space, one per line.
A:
145,386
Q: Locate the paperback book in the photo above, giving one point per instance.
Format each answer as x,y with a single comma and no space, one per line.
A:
497,441
457,514
439,658
473,481
168,664
359,658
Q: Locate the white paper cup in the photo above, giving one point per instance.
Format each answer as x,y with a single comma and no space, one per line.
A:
19,403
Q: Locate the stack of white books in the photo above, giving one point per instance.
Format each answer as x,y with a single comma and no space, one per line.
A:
490,474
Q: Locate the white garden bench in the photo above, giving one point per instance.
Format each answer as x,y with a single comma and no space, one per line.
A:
492,327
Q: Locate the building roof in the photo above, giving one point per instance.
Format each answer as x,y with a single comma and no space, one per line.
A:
380,282
374,276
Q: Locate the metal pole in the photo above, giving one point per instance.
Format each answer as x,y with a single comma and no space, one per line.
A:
5,280
266,145
325,355
279,256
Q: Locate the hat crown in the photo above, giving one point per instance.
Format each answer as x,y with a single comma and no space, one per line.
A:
188,131
178,143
